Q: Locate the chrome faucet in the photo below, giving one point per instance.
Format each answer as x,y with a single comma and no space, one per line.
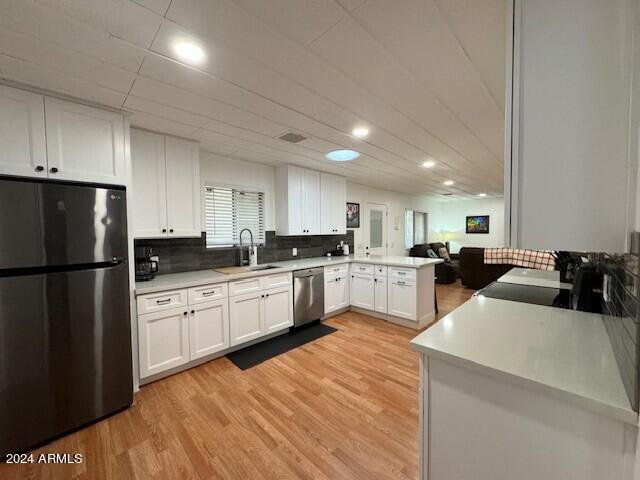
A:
242,260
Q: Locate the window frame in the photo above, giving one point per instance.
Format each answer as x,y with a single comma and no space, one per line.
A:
413,227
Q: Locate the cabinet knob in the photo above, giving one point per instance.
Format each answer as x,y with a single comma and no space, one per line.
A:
184,313
39,168
171,230
164,230
53,170
192,312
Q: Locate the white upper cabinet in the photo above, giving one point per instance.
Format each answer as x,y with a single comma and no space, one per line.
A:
84,143
150,185
23,149
166,186
334,200
183,187
305,205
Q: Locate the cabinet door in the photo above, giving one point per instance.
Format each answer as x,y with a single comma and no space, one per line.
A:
331,295
246,320
295,201
362,291
333,204
183,187
23,148
164,340
339,197
149,185
402,299
311,202
380,294
278,309
84,143
209,328
342,293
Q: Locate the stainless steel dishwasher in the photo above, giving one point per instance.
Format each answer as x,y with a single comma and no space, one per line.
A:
308,295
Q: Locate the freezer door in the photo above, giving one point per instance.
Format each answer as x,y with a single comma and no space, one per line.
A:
65,352
59,224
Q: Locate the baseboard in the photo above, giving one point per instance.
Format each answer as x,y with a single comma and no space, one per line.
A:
421,323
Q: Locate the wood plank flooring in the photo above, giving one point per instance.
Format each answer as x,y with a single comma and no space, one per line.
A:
342,407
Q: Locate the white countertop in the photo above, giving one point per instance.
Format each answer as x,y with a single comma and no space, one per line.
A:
564,353
173,281
538,278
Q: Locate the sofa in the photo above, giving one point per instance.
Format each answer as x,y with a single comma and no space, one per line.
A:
447,272
476,274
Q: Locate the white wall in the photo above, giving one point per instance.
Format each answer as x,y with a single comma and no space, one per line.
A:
452,223
239,173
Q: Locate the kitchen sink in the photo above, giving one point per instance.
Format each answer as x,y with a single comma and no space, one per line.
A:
262,267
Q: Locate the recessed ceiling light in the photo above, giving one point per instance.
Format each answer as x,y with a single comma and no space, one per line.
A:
448,183
482,194
428,164
360,132
342,155
189,52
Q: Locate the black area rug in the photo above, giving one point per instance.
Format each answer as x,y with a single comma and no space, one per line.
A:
258,353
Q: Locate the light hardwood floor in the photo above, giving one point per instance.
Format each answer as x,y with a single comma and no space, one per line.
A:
342,407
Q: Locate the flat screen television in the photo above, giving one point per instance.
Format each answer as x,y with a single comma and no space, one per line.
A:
478,224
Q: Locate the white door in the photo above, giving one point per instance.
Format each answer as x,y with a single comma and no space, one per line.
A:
246,319
164,340
23,148
402,299
84,143
149,192
278,309
209,328
342,292
375,223
333,199
362,291
183,187
380,294
311,202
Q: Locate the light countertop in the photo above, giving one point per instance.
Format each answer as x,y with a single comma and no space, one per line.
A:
537,278
173,281
564,353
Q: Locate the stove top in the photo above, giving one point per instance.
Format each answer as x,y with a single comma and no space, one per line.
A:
550,297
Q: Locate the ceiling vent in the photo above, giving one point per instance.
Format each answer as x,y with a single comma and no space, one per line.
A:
292,137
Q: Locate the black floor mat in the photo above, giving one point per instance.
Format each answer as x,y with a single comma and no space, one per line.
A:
258,353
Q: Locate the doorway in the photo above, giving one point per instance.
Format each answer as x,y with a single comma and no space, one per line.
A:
375,224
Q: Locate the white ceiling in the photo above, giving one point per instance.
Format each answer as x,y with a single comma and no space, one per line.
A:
426,77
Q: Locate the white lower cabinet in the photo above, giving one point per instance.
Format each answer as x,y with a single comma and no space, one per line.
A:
278,309
362,291
380,296
164,340
402,299
336,292
208,328
246,317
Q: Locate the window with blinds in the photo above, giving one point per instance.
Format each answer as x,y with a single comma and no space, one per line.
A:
228,211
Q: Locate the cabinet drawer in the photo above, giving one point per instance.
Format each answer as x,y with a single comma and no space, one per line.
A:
381,270
208,293
155,302
337,270
403,273
250,285
277,280
362,268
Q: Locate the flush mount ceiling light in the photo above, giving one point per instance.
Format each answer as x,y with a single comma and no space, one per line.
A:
482,194
342,155
428,163
189,52
448,183
360,132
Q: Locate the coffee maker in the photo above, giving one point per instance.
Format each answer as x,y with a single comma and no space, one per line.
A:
145,267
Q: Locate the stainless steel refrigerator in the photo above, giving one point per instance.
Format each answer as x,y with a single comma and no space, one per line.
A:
65,340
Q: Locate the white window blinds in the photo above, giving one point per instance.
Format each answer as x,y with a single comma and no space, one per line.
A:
228,211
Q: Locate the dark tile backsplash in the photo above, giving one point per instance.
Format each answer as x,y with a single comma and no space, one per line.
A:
189,254
620,313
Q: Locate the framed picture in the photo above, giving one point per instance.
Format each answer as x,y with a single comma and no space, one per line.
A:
478,224
353,215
